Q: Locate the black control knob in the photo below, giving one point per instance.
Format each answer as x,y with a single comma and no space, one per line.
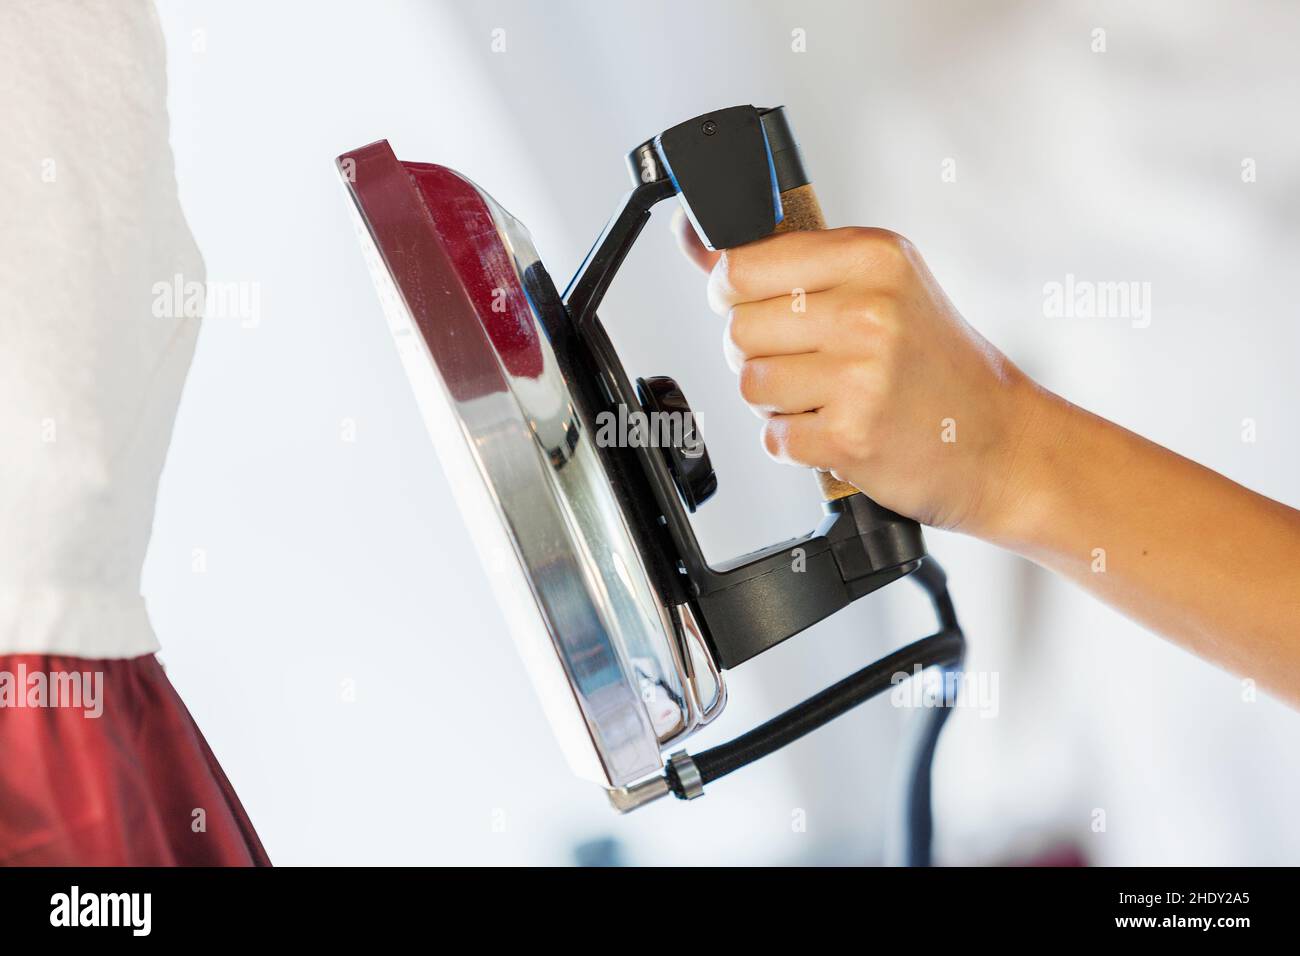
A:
673,428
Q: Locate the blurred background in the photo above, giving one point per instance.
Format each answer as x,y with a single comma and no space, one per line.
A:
341,649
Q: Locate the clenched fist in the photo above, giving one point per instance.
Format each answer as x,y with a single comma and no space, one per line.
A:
859,365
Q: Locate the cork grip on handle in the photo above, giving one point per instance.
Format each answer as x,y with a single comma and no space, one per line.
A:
802,212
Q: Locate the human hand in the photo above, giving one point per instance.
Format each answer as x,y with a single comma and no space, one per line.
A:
859,365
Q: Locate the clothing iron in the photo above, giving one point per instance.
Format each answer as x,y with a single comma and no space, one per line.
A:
582,519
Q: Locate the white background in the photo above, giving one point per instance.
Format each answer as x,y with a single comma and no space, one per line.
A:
331,561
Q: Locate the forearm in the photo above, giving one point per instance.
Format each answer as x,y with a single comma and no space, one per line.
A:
879,380
1189,554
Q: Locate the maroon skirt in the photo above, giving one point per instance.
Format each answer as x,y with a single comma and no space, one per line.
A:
134,785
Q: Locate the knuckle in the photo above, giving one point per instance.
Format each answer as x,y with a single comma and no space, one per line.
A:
739,334
773,439
786,440
834,443
883,247
843,438
751,381
879,329
735,273
865,315
889,330
865,237
892,243
857,379
847,433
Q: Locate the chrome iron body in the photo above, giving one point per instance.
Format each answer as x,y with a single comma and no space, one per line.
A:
622,672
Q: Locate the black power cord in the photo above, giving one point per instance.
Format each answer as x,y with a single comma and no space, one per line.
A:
920,816
944,649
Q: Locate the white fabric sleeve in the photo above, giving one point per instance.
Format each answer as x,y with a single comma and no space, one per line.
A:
90,375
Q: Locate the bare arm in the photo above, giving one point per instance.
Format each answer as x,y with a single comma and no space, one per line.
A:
1193,556
858,364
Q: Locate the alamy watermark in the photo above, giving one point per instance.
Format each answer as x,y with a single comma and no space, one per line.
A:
945,688
76,690
1085,299
133,911
179,298
634,428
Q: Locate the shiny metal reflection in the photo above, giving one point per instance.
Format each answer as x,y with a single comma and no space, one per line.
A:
633,675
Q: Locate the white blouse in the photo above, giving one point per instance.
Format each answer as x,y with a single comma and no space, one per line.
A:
90,376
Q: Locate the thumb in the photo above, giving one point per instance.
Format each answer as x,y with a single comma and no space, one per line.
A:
690,243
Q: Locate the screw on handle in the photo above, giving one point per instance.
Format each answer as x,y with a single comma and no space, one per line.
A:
802,212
